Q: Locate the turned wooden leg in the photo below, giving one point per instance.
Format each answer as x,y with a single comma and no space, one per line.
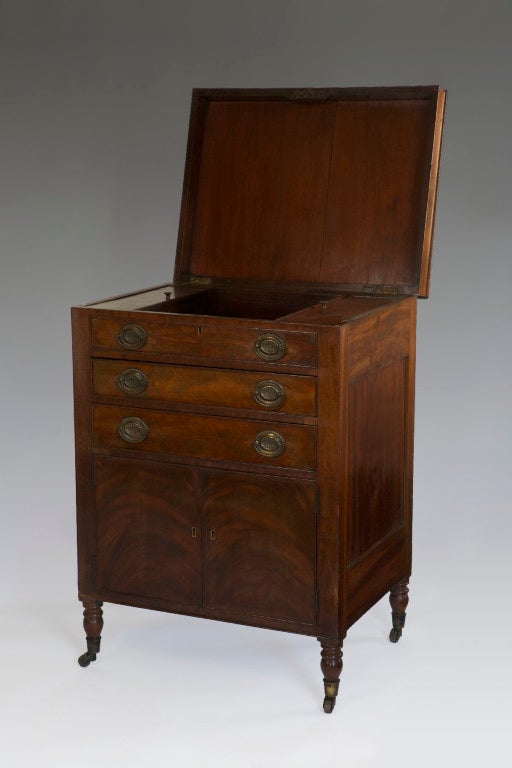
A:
93,624
331,666
398,597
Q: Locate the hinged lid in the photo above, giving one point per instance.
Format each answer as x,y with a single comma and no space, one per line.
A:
327,187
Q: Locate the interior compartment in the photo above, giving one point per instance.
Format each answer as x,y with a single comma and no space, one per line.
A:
257,305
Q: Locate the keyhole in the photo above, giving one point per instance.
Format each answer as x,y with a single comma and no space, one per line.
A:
212,534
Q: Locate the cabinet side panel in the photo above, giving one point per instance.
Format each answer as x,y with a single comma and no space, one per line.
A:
83,449
330,473
377,439
372,577
380,451
381,338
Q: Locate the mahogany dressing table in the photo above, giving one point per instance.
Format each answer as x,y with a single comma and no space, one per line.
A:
244,435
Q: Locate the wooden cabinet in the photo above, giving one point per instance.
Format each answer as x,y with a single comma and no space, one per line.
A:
244,435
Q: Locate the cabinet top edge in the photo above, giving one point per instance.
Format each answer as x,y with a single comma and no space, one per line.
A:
329,93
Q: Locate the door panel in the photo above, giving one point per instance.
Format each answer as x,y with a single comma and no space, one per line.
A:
259,547
145,516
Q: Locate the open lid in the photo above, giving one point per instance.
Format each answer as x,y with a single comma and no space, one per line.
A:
327,187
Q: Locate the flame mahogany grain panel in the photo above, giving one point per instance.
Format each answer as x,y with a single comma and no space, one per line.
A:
144,514
262,560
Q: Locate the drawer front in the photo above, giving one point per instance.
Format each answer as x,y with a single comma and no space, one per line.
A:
205,386
203,437
156,335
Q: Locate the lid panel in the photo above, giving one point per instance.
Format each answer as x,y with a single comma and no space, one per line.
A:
262,190
376,204
330,187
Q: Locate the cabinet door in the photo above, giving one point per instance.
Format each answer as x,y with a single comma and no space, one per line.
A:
148,530
259,547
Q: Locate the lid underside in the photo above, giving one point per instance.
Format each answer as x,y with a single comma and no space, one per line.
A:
331,187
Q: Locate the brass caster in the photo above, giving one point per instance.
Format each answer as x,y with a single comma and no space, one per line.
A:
331,691
395,635
86,658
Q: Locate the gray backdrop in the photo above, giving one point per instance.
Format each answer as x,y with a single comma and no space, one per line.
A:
94,112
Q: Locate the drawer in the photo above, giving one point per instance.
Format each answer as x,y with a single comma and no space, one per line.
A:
212,438
215,387
160,335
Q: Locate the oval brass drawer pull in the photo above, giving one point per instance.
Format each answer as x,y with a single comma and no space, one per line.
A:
132,336
270,346
270,443
132,381
269,393
133,430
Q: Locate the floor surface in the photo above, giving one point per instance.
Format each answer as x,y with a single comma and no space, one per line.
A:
170,690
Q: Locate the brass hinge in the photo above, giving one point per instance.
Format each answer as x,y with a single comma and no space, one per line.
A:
387,290
201,280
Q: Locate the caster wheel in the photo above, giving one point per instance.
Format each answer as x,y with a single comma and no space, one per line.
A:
395,635
86,658
329,705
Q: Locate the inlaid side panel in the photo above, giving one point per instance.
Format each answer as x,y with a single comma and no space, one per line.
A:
148,530
377,445
260,547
